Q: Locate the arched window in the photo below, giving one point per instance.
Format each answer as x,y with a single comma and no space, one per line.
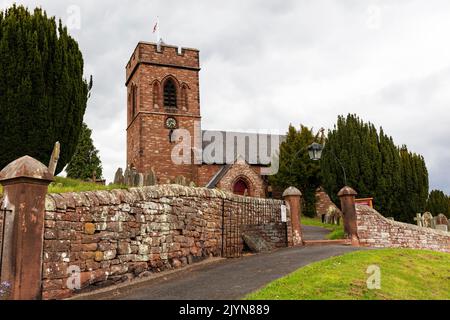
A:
241,188
133,100
170,94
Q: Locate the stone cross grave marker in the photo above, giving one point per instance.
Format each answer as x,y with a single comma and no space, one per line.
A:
419,220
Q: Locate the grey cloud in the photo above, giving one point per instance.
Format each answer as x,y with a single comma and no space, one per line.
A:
266,64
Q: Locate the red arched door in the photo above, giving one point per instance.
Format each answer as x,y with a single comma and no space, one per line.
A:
241,187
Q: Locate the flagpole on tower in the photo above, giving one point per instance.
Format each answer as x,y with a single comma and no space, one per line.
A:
156,30
158,34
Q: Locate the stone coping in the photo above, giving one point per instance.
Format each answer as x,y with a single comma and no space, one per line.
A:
366,209
63,201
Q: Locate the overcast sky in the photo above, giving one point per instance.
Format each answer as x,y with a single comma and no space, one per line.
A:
269,63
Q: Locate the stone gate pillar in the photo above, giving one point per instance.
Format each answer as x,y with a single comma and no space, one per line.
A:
293,197
347,196
25,183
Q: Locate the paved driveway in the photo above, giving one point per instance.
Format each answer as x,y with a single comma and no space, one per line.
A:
314,233
227,279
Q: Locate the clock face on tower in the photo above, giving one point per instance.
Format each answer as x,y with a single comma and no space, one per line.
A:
171,123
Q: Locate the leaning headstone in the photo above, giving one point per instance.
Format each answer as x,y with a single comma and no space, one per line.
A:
428,221
256,243
118,177
54,158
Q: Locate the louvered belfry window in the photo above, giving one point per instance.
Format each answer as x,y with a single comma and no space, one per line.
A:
170,94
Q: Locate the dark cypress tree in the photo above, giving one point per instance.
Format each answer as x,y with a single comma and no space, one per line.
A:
438,203
297,169
85,162
43,95
396,178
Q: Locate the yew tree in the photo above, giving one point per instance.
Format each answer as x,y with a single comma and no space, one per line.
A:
43,94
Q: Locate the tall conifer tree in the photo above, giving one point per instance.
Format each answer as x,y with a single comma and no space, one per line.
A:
43,95
297,169
85,162
396,178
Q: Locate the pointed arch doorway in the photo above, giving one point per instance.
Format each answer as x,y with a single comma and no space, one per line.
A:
241,187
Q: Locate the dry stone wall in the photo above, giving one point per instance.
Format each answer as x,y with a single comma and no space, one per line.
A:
114,236
374,230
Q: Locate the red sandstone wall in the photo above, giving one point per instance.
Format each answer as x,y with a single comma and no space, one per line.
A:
114,236
376,231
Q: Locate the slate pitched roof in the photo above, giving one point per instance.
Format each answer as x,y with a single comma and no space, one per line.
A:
254,148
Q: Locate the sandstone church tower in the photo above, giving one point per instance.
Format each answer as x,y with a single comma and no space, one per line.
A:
162,95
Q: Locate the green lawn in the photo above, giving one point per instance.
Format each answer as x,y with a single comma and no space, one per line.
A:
336,232
63,185
405,275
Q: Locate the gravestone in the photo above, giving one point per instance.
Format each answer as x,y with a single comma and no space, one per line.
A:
419,220
428,221
150,178
333,216
133,178
181,181
441,222
256,243
127,177
118,177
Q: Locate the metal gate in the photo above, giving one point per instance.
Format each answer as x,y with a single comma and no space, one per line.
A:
241,212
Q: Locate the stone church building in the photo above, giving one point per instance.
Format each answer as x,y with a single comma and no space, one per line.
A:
163,96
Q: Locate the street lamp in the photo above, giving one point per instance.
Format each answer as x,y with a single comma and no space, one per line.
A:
315,151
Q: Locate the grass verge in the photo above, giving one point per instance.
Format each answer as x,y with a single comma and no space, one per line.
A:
405,275
64,185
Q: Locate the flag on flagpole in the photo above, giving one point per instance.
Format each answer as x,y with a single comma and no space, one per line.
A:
156,30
